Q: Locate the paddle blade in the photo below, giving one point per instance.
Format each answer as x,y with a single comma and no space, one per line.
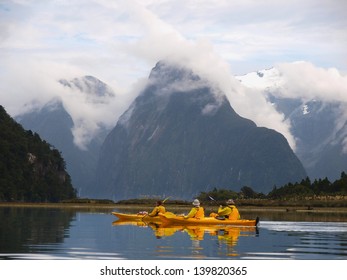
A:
166,199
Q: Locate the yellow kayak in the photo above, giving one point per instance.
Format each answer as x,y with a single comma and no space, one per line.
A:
139,217
179,220
136,217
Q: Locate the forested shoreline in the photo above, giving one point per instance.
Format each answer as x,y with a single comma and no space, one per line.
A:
31,169
34,171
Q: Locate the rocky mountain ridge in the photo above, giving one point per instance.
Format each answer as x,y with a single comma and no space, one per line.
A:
319,126
179,138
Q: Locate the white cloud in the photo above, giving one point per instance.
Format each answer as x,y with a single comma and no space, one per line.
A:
256,34
204,61
305,80
119,41
31,84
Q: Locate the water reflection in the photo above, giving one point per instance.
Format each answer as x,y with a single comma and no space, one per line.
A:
272,240
23,228
226,236
70,233
226,232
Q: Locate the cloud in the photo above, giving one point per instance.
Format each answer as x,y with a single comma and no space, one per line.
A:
28,79
253,35
307,81
200,56
119,41
32,84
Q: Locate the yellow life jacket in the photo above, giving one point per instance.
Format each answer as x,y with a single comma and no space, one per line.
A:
161,209
196,212
230,212
200,214
234,214
157,210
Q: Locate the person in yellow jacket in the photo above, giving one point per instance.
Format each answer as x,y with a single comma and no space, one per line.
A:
197,211
158,209
229,211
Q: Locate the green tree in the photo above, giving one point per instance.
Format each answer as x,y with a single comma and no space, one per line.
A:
31,169
248,192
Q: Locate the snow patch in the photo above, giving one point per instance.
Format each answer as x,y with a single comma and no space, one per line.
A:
305,110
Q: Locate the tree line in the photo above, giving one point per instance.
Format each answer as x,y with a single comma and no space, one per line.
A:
299,190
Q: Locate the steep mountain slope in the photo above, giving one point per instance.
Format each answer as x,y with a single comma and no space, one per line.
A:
179,138
31,169
314,124
318,145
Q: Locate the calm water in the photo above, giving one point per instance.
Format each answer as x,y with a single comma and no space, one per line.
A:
57,233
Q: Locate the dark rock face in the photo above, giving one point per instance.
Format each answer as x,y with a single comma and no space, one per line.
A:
179,138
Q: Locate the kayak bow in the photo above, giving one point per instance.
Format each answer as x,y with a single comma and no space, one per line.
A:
140,217
136,217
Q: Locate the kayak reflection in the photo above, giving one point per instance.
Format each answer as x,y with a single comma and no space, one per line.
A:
225,233
161,231
131,223
227,237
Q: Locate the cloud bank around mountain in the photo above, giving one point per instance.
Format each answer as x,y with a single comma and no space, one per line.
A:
119,42
307,82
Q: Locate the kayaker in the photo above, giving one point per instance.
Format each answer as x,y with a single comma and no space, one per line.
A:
197,211
159,208
229,211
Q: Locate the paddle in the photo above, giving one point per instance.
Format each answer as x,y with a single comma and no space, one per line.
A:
215,201
166,199
210,197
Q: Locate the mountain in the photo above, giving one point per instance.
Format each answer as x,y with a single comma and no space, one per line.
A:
95,89
179,137
313,125
319,140
54,124
31,169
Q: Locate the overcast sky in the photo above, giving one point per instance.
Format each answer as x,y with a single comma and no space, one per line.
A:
42,41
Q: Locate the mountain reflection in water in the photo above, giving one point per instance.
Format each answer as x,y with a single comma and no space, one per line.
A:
24,226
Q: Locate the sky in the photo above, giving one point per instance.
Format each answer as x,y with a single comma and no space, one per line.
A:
119,42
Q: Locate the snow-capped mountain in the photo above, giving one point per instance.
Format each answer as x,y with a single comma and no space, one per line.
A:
318,124
268,79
